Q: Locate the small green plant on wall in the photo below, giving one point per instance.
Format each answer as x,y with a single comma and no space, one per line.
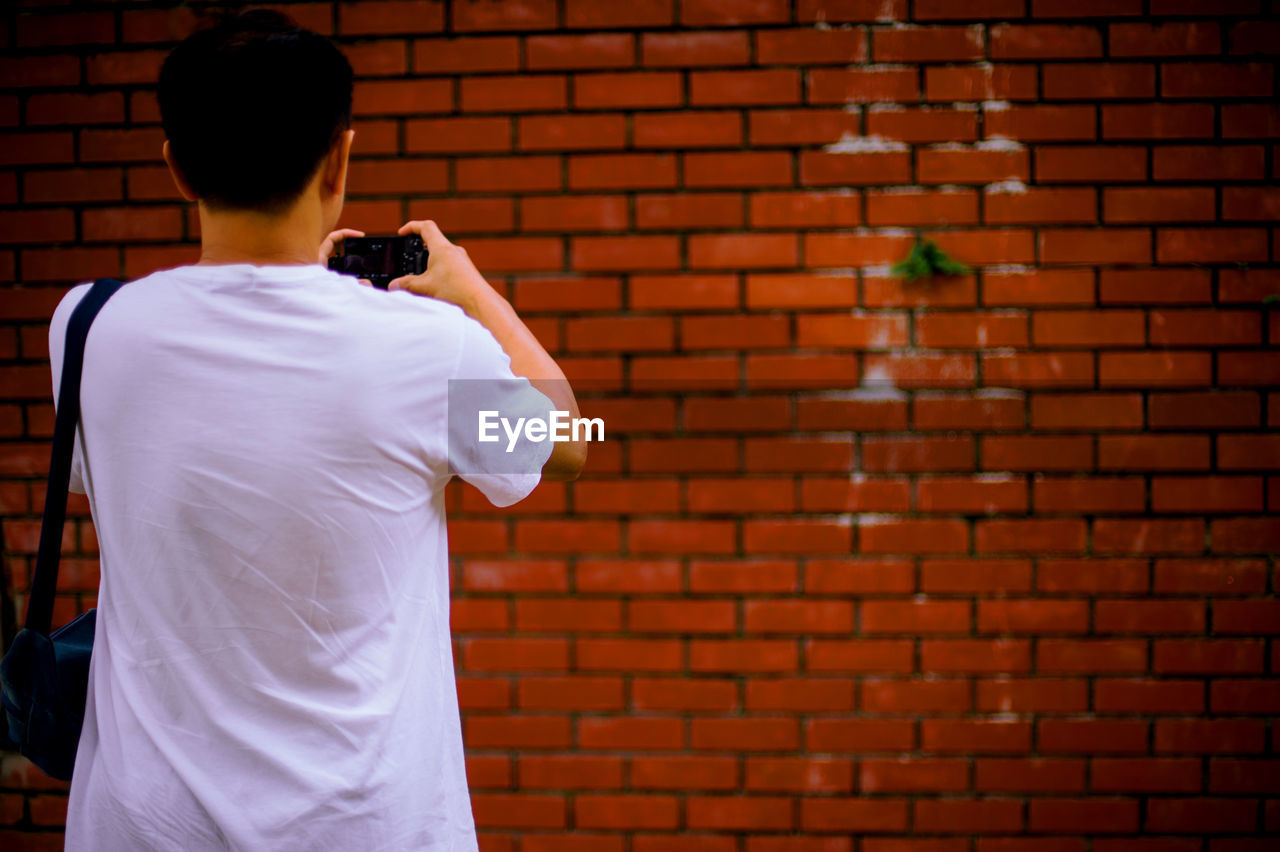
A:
927,260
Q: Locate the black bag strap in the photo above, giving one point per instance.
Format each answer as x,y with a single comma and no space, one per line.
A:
45,581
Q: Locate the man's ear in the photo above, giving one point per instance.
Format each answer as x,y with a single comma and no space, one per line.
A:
181,182
334,174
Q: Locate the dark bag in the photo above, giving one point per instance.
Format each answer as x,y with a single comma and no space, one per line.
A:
44,677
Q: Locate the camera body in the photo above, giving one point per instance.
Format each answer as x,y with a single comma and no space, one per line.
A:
380,259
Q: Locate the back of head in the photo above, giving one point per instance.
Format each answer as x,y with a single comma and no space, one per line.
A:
251,105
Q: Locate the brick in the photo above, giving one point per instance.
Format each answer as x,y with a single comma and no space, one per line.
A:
1091,412
944,165
807,46
1216,79
1203,410
74,108
1092,494
916,206
588,14
1168,369
1237,452
40,70
933,10
923,124
1168,38
619,253
572,52
1154,286
853,815
783,774
983,737
1205,328
1084,8
694,49
927,44
985,816
527,15
818,168
571,132
1133,205
1023,452
512,93
737,169
1034,617
1043,123
386,176
1044,41
684,292
1254,204
803,209
849,11
773,455
1025,695
664,211
135,66
65,28
1157,121
1191,245
1023,205
856,332
574,213
1029,536
912,536
687,129
1038,287
1208,736
955,330
622,171
1207,656
1098,81
936,696
959,576
742,250
1095,246
37,226
466,54
992,82
36,147
862,85
129,224
1244,535
796,126
718,13
1088,328
744,88
1090,164
925,617
391,97
636,90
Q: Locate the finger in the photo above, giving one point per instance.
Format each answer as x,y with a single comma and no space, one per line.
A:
365,281
432,236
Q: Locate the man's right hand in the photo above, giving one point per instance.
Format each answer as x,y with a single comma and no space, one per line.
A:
450,274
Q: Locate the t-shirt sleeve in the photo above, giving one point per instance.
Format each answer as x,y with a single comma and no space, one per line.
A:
487,398
57,349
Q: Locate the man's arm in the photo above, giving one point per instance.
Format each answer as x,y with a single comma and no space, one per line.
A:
452,276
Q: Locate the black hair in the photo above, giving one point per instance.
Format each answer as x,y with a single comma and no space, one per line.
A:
251,105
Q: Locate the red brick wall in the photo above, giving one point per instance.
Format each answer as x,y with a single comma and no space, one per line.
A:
864,565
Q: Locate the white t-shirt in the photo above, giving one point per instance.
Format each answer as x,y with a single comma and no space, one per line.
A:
265,459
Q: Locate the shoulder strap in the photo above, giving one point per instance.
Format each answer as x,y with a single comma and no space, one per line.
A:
45,581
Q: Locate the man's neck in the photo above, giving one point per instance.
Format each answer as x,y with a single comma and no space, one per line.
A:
259,239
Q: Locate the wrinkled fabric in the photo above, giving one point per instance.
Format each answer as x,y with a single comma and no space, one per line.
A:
264,453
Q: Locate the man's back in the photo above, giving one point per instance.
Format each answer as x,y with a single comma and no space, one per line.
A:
266,457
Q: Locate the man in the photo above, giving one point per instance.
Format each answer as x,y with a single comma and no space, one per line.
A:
264,451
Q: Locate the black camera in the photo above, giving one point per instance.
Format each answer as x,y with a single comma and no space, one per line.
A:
381,259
